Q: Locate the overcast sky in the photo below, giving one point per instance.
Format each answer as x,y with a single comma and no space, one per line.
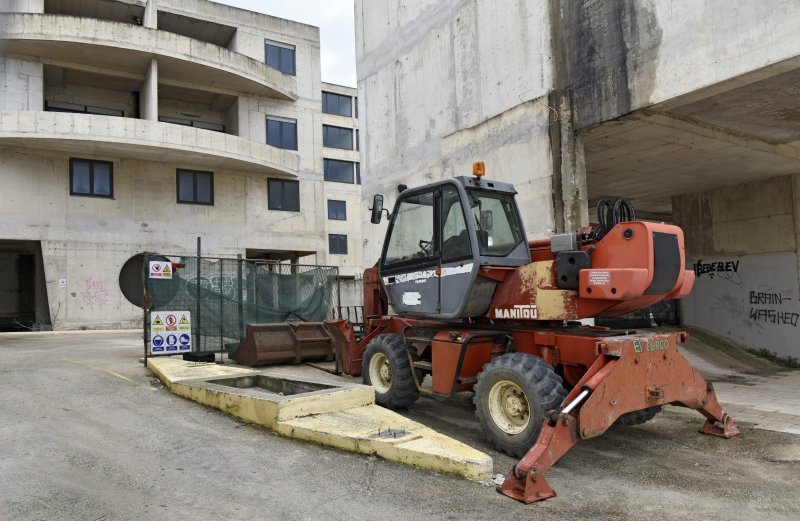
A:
335,21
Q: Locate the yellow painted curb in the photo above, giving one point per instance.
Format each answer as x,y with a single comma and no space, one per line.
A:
340,415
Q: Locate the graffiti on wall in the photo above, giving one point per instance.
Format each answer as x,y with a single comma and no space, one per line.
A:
753,300
723,269
765,306
94,293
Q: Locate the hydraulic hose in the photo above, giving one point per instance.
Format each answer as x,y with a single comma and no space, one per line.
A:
610,213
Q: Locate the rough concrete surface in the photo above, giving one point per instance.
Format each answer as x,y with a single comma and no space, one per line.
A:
88,433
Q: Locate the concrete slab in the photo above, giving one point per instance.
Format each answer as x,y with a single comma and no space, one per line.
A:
323,409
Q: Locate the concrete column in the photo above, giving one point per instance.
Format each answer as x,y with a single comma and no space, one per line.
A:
150,19
148,98
569,168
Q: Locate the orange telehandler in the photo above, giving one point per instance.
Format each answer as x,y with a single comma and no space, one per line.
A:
479,308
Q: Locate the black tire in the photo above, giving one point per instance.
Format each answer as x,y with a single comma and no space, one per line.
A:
399,390
543,391
638,417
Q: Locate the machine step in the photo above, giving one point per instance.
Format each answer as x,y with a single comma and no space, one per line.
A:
421,364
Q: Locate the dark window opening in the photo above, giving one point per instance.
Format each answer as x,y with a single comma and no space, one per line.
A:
195,187
216,127
337,104
337,137
337,210
280,56
337,244
91,178
283,194
341,171
58,106
282,133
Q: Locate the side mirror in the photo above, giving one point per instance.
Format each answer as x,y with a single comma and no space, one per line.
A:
377,209
487,220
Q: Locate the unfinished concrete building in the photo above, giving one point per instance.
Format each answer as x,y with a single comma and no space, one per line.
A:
131,126
689,109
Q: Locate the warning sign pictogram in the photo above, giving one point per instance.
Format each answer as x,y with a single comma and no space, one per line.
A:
167,272
167,336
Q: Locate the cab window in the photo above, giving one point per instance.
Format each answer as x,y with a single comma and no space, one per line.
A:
455,236
412,237
496,221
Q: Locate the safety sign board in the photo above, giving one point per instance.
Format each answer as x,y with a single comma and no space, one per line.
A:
161,270
170,332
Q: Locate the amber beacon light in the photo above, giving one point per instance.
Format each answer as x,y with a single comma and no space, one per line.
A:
478,169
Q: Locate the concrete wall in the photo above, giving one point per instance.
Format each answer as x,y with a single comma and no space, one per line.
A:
623,55
21,84
22,6
742,243
441,87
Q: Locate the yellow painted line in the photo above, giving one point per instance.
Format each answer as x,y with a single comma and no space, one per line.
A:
109,371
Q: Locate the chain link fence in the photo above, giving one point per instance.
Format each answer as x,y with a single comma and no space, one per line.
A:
224,294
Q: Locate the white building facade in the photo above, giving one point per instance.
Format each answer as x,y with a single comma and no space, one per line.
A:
140,125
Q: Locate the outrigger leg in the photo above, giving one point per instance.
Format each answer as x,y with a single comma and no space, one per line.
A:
623,379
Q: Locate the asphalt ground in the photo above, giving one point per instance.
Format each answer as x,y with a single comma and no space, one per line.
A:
87,433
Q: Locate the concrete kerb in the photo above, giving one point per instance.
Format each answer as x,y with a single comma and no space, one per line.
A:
323,411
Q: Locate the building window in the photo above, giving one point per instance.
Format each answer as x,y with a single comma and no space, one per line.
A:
337,244
337,104
337,210
355,106
341,171
195,187
337,137
358,139
92,178
280,56
282,133
216,127
283,195
57,106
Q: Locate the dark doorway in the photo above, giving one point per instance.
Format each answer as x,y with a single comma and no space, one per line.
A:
23,292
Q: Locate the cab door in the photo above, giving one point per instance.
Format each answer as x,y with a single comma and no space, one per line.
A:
459,267
411,259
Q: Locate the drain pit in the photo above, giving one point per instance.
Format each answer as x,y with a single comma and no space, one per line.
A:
271,384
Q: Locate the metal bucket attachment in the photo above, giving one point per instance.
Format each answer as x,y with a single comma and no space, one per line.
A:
291,343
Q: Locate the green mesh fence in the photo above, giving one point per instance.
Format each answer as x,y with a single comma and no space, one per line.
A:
223,295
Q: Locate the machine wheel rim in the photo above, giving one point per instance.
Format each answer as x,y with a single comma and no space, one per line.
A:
380,372
508,407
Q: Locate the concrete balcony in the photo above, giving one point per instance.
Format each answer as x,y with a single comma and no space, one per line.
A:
89,135
103,46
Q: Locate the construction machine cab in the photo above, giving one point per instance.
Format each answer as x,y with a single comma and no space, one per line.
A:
439,237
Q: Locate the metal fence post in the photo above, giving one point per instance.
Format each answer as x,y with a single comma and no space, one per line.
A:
145,317
198,319
221,310
240,296
338,293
